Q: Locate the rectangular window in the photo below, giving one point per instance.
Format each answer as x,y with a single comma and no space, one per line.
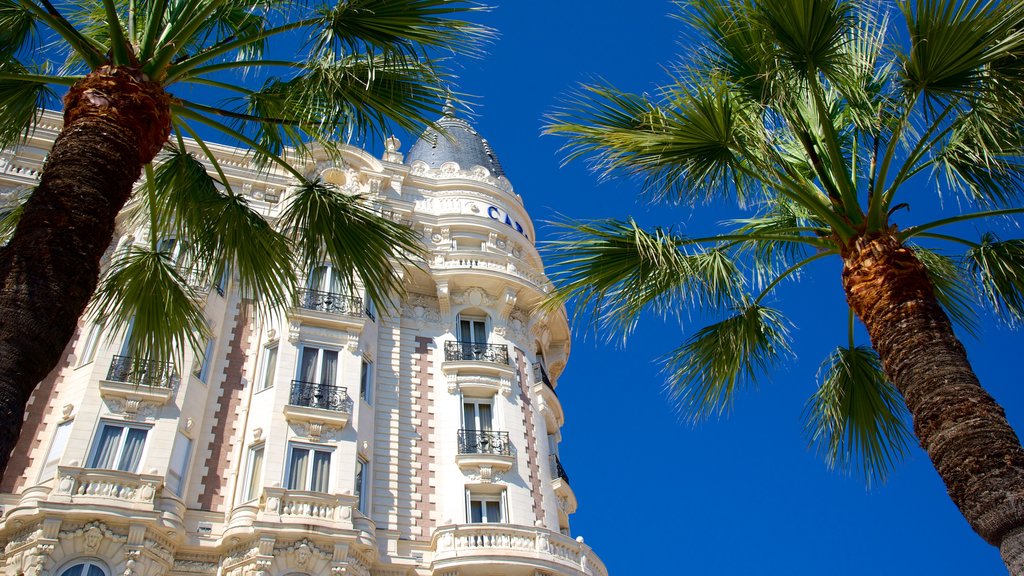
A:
366,381
254,475
91,343
308,469
318,366
202,370
57,446
485,508
472,330
179,463
362,471
269,367
119,447
477,414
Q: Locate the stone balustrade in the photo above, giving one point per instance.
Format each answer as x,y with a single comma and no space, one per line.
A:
505,543
299,506
97,487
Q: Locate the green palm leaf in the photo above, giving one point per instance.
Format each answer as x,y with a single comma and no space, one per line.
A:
856,418
615,269
327,225
999,269
951,288
144,291
705,373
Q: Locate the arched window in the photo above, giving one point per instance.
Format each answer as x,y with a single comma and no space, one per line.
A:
87,568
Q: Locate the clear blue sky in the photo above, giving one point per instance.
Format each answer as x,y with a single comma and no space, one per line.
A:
740,495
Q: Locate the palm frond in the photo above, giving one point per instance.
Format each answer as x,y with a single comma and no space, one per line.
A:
10,213
998,267
684,149
327,225
953,43
778,219
23,98
951,288
399,27
705,373
17,28
981,158
614,270
809,35
144,291
856,419
237,238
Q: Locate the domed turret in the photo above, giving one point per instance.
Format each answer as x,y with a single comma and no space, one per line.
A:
461,144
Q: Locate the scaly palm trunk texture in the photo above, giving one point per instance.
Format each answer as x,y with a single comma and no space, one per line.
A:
963,430
114,122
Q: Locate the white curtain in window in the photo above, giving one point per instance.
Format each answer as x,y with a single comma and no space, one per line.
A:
329,367
307,366
321,471
297,469
106,448
131,454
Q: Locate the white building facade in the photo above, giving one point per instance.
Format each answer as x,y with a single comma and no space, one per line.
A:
337,438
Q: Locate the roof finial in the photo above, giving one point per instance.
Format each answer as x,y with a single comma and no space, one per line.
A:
449,108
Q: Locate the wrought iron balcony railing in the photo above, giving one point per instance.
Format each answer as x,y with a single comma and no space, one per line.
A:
142,372
484,442
557,471
330,302
454,351
322,396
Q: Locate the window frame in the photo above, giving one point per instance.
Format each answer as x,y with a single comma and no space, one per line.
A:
362,485
268,372
254,474
92,344
483,498
318,379
366,379
483,320
476,402
52,461
125,426
202,371
182,474
86,565
308,476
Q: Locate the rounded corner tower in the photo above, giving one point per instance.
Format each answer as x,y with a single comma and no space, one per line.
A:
419,439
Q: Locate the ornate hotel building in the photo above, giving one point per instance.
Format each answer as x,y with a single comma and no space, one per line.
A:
334,439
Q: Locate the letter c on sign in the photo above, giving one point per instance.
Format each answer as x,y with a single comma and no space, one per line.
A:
493,212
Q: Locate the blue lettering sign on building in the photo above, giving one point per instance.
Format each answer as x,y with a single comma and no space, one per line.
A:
500,215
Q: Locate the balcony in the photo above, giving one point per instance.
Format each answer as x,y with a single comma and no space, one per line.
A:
135,381
486,450
462,358
560,483
316,403
280,505
329,309
548,403
480,549
106,491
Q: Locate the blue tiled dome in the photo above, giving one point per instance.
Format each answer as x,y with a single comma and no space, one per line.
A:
462,145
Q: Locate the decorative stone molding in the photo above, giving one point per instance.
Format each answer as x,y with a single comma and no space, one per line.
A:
443,298
474,296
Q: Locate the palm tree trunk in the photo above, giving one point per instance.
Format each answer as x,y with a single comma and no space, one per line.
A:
114,122
963,430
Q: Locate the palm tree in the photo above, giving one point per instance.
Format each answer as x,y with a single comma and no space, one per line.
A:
824,117
280,77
